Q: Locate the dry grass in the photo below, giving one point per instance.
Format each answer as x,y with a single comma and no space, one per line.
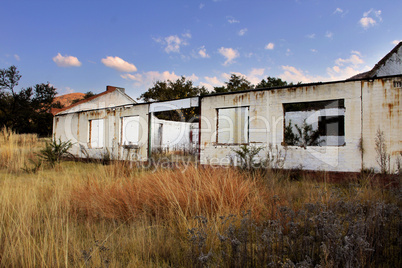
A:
16,150
87,214
160,194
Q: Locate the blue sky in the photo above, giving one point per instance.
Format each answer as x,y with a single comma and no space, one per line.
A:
81,46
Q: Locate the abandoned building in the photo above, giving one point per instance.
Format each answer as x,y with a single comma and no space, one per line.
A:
332,126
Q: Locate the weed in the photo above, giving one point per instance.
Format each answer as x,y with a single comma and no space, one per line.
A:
36,166
383,157
339,234
276,157
247,155
54,151
100,248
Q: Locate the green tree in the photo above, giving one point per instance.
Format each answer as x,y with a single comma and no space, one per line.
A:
172,90
235,83
272,82
26,110
9,79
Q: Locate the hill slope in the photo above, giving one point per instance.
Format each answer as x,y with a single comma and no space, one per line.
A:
67,99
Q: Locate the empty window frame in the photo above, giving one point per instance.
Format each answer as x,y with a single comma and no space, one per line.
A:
232,125
96,133
324,122
130,130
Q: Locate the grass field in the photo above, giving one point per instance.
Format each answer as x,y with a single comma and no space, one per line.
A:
92,215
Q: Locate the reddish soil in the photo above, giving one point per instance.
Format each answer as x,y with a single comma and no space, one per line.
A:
67,99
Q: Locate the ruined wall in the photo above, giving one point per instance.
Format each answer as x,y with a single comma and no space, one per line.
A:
266,125
212,152
332,158
76,128
172,136
382,100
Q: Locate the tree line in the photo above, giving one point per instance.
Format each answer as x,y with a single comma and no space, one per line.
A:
28,110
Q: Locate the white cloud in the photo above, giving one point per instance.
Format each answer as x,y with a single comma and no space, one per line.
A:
343,69
201,6
353,60
229,53
213,81
209,87
270,46
173,43
292,74
203,52
368,21
395,42
129,76
242,31
146,79
119,64
329,34
232,20
66,61
313,50
311,36
69,90
254,76
338,10
17,57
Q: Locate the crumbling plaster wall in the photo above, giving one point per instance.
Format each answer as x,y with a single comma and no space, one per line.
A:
267,125
259,124
382,100
330,158
75,127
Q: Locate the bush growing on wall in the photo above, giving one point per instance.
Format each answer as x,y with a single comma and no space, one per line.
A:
304,137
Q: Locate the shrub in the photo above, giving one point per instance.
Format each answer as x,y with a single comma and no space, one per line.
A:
306,136
339,234
247,155
55,150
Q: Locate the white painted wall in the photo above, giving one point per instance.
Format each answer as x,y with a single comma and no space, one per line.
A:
173,135
267,125
382,99
75,127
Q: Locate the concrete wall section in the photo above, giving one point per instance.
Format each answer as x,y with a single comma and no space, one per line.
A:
382,100
76,127
266,126
212,152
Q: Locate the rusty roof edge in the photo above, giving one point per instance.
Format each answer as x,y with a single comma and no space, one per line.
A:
103,108
60,110
243,91
300,85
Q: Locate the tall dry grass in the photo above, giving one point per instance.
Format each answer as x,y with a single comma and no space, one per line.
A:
91,215
16,150
186,194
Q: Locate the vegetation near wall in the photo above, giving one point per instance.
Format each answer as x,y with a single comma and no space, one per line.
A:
121,215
